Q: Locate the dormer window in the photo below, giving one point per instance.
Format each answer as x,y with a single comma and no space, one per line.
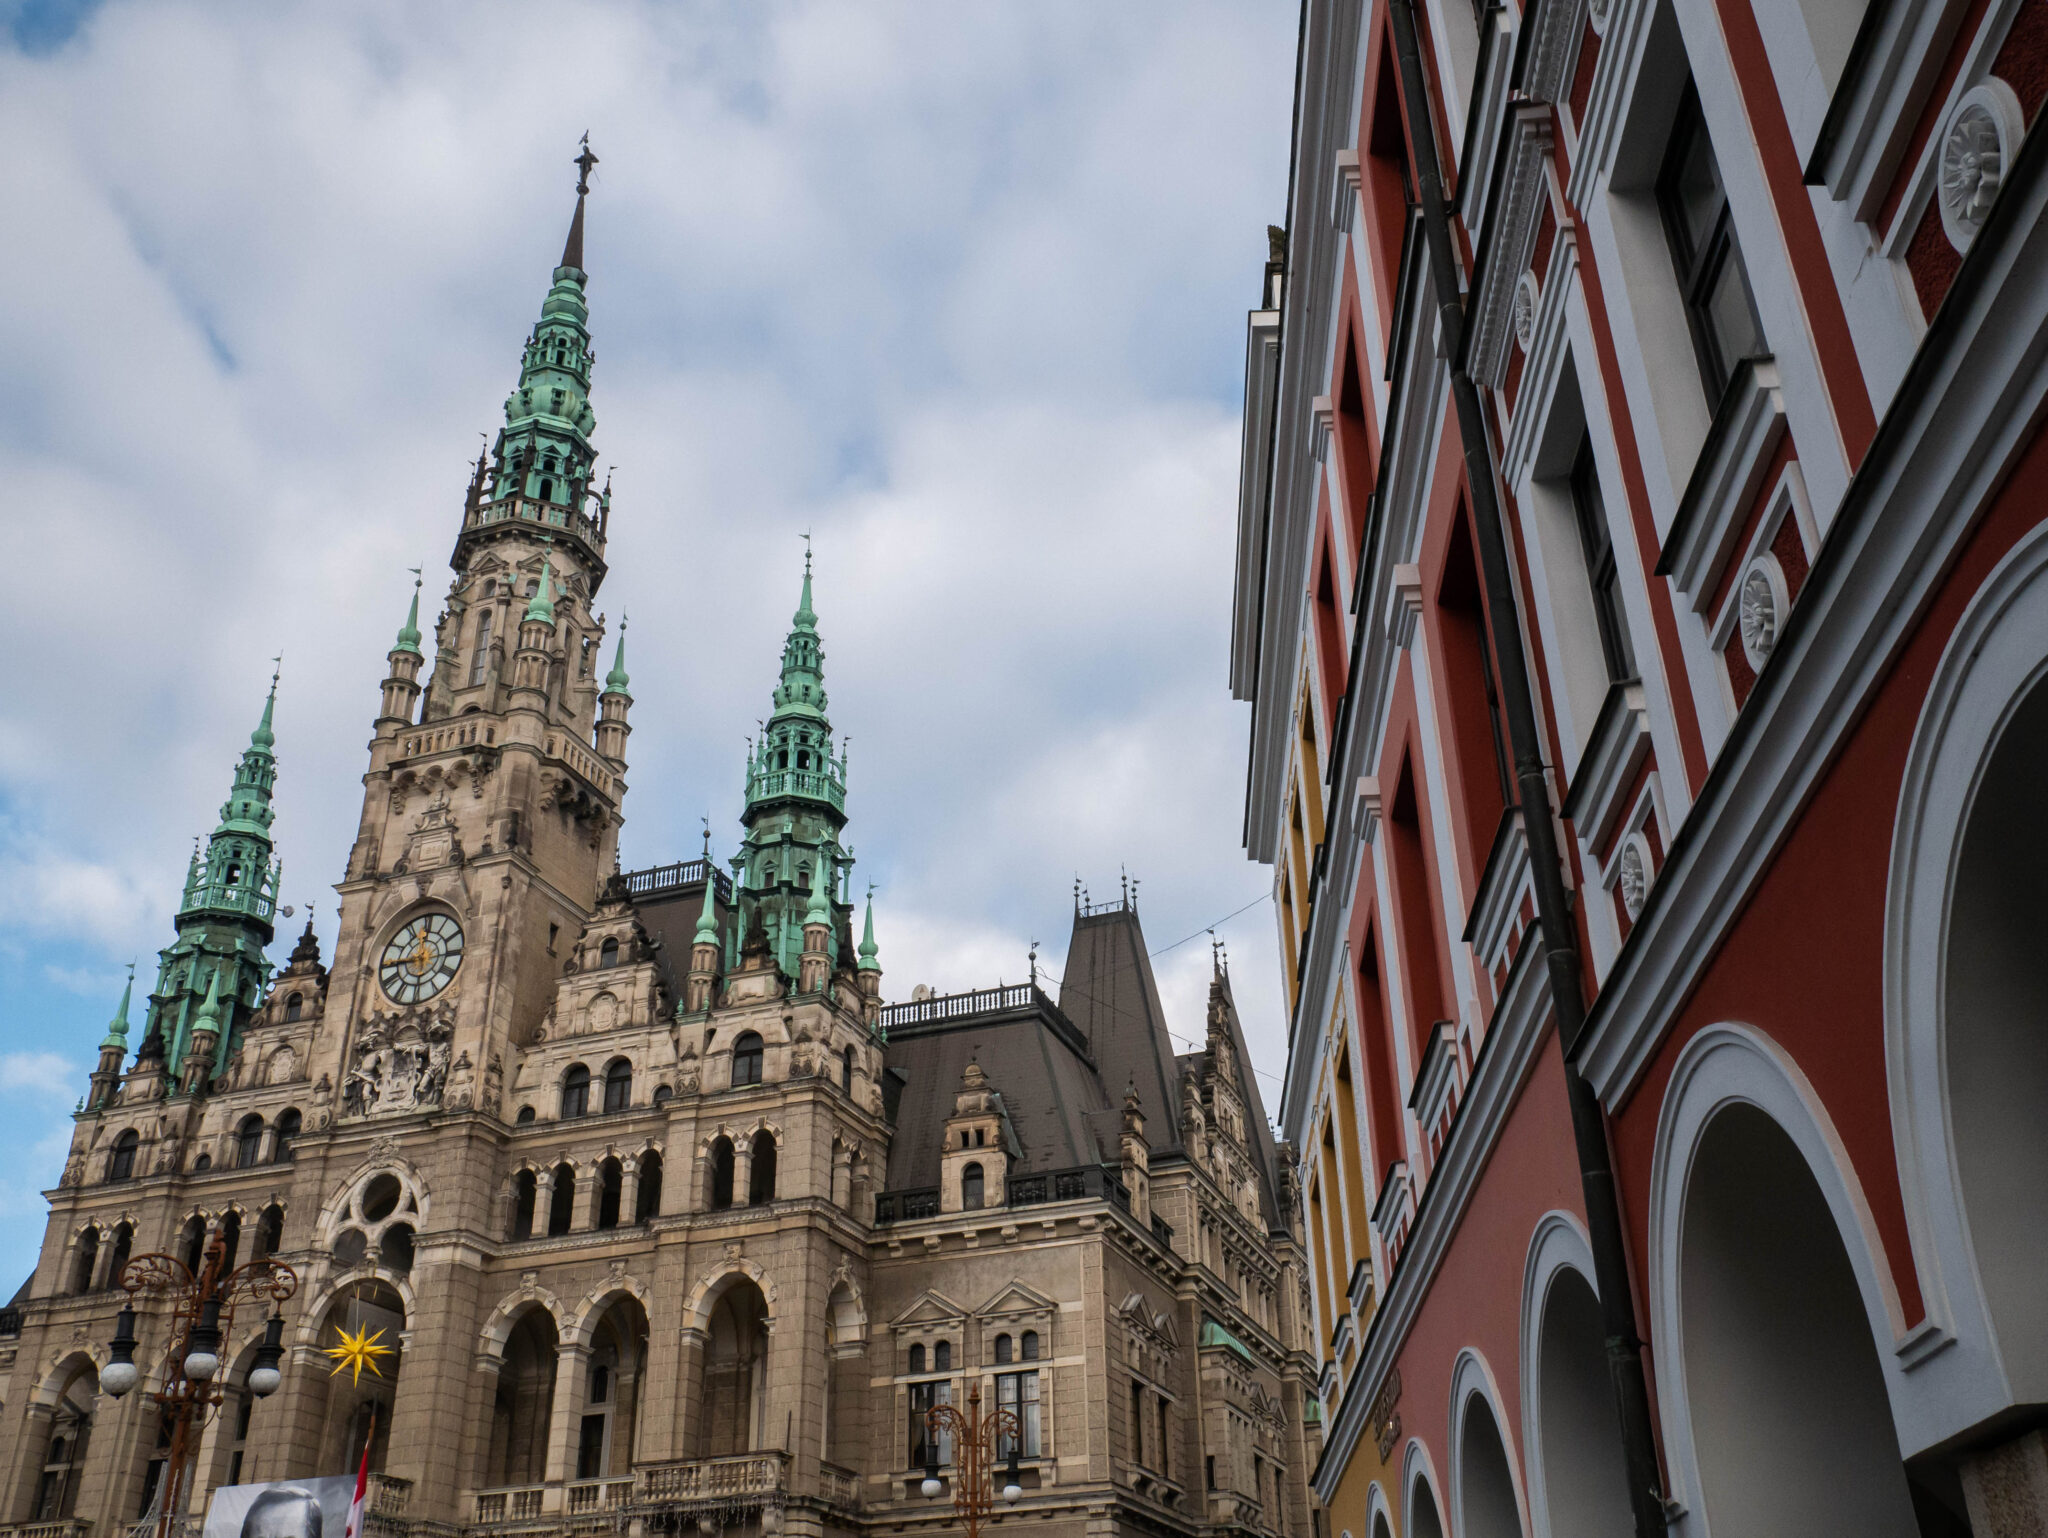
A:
608,953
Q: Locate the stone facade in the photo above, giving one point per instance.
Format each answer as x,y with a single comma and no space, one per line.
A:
669,1219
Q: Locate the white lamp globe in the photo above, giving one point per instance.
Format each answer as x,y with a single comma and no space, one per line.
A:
117,1378
930,1488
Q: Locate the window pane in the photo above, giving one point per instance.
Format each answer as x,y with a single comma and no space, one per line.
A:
1696,182
1731,312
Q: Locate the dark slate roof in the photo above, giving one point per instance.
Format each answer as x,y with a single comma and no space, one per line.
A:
1110,994
1034,1059
669,900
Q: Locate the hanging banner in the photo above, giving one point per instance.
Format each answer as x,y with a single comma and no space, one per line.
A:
283,1508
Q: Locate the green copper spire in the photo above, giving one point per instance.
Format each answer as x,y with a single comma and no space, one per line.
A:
409,633
117,1028
208,1018
263,739
543,453
615,680
867,938
226,916
796,807
543,606
820,910
707,920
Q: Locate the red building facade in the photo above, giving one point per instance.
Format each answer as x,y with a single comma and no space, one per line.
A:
1642,594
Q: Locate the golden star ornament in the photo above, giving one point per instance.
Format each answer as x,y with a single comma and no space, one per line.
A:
352,1353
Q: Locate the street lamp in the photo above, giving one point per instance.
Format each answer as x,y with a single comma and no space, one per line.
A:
978,1441
202,1318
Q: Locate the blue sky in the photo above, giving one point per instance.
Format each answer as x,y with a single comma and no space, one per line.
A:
959,289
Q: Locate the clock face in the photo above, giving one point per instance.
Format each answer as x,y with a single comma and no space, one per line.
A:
421,959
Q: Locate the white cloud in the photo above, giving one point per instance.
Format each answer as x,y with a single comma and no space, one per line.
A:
959,288
43,1074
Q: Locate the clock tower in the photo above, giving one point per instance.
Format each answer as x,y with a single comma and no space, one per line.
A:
491,805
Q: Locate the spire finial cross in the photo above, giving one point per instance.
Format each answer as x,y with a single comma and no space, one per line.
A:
583,163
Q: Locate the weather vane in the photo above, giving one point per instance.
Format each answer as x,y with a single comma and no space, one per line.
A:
583,163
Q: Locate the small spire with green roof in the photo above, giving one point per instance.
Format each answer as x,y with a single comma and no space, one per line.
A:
542,608
409,633
868,963
615,681
117,1028
263,739
820,910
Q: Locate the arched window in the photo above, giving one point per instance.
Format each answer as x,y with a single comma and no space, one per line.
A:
846,1070
1030,1344
525,1115
1002,1350
917,1358
230,1231
124,1241
87,1257
562,1203
761,1172
575,1092
525,1191
608,953
647,1205
721,1173
283,1136
122,1165
249,1143
663,1094
942,1356
270,1231
746,1059
547,489
192,1243
618,1085
202,1164
970,1187
294,1006
610,1186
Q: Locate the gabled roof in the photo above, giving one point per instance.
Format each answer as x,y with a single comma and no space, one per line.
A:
1109,992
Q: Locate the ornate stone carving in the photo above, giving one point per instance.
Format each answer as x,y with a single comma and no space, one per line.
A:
1632,875
1977,147
399,1064
1761,604
1526,297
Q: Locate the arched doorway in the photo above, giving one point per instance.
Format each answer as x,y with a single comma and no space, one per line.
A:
735,1372
611,1391
1791,1426
360,1409
525,1400
1996,1052
1487,1507
59,1464
1424,1520
1585,1481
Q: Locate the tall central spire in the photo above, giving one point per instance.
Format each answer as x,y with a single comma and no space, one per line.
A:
543,452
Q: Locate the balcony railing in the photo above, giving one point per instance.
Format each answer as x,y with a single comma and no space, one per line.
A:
1070,1185
388,1495
747,1478
658,879
952,1006
551,515
840,1487
67,1527
593,1495
510,1505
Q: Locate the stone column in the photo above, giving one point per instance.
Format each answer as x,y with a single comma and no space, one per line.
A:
2006,1488
629,1191
742,1171
473,1468
589,1185
435,1376
565,1419
543,1199
688,1414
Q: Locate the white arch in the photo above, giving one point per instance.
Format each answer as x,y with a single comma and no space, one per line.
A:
1557,1244
1418,1468
1997,654
312,1317
1472,1375
1378,1509
1726,1065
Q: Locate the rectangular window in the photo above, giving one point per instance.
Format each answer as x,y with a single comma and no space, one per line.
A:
480,649
1711,276
923,1397
1137,1423
1165,1439
1017,1392
1598,547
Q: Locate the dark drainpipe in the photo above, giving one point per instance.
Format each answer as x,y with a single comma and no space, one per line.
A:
1557,930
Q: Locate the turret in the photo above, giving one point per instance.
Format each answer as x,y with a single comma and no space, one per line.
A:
870,969
205,1039
401,687
1135,1154
612,705
113,1050
975,1162
704,945
536,635
816,965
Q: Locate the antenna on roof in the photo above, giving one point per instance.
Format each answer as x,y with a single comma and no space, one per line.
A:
1034,963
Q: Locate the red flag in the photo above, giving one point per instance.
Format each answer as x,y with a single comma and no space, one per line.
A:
354,1528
